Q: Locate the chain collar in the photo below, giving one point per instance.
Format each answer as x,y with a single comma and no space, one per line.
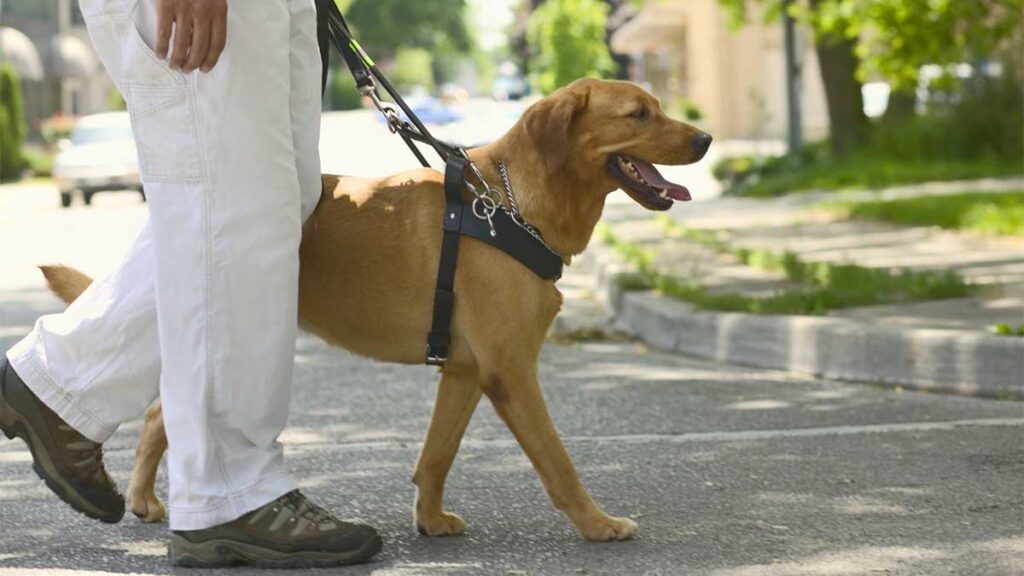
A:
513,208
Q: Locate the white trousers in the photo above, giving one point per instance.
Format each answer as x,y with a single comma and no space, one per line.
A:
203,308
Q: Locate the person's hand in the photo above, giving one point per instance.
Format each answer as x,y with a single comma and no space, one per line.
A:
200,31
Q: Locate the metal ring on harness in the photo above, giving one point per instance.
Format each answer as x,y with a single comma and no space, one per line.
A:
484,207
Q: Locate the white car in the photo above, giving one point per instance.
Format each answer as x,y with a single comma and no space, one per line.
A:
100,156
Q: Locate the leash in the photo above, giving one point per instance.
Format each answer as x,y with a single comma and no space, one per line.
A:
485,218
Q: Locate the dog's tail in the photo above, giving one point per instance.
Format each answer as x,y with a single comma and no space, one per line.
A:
67,283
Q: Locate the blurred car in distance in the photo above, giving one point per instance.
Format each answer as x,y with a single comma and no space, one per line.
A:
510,87
98,157
428,109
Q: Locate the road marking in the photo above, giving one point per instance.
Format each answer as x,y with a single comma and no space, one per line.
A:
697,437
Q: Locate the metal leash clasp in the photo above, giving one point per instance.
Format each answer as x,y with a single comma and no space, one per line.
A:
391,116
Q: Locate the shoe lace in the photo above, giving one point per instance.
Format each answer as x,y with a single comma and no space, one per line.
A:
303,508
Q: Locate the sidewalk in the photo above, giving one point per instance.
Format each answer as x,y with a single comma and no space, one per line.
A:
937,344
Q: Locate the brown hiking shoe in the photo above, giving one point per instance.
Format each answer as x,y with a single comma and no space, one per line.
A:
69,463
290,532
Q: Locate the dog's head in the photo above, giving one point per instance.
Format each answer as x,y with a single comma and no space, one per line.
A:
612,134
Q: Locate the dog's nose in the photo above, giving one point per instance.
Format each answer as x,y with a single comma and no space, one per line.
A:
701,142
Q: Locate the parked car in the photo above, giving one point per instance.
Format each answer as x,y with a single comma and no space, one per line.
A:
98,157
510,87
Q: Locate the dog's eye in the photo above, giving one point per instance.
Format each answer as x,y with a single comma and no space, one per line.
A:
640,113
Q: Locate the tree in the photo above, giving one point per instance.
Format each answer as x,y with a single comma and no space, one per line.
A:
385,26
837,61
12,124
567,41
891,39
897,37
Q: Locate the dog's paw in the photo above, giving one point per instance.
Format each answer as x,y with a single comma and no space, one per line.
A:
444,524
147,507
608,528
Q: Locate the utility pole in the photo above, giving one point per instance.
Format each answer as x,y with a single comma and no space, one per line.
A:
793,80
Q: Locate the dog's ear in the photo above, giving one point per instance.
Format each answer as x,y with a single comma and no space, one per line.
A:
549,123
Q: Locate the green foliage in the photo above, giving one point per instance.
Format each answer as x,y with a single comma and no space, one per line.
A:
687,110
413,67
383,27
567,39
342,91
1004,329
975,135
38,161
897,37
823,286
777,176
12,124
990,213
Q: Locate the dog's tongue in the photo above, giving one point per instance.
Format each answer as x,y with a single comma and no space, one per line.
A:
654,178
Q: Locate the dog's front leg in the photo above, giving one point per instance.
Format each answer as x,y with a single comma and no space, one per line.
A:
457,397
142,497
519,402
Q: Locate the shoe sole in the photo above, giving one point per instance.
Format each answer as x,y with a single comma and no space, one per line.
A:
223,553
13,426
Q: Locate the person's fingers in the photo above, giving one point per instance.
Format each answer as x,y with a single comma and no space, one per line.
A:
200,43
218,39
182,38
164,24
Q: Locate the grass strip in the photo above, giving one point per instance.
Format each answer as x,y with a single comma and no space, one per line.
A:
823,286
989,213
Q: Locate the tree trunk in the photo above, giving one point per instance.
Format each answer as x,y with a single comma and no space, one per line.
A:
838,63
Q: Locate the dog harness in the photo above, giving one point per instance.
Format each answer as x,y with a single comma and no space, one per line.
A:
484,216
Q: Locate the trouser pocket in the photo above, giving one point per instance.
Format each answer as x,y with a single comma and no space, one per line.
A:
163,118
161,100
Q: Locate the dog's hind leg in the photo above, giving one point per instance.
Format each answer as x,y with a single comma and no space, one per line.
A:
457,397
517,397
142,491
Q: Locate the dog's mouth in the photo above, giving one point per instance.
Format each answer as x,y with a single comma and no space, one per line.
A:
642,181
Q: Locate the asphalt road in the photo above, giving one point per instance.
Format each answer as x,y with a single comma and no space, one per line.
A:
729,470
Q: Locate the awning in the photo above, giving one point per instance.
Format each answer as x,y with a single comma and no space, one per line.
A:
658,27
69,57
19,50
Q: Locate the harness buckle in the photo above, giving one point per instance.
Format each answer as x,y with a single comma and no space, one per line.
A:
435,359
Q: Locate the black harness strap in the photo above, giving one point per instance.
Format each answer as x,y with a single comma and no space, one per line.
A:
500,231
439,340
511,239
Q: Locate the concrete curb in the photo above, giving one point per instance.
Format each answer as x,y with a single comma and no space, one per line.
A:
936,360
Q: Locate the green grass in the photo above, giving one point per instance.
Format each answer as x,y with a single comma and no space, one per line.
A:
1005,329
989,213
784,176
823,286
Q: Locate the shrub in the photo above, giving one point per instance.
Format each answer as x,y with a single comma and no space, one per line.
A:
12,124
976,134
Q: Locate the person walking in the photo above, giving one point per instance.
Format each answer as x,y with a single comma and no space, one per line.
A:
225,108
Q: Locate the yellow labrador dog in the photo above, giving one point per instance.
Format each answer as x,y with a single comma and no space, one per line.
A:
567,153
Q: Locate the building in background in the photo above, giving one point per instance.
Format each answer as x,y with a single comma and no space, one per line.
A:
686,50
72,80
